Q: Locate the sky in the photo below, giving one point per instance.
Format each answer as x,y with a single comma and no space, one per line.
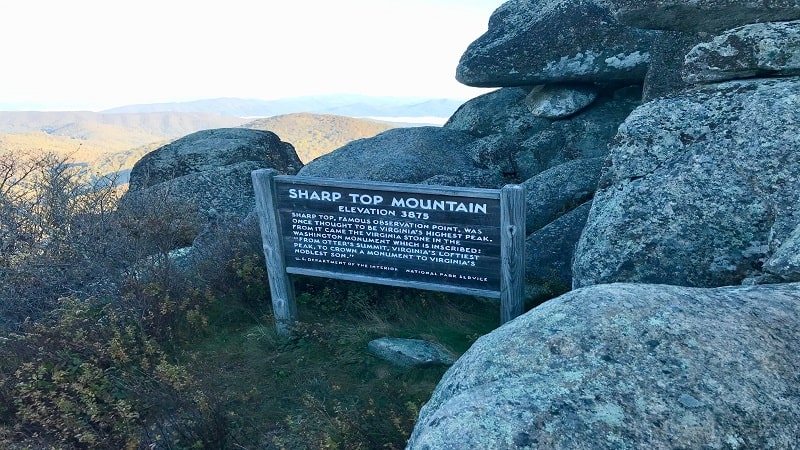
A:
94,55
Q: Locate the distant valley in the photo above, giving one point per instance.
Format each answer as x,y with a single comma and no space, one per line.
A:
112,141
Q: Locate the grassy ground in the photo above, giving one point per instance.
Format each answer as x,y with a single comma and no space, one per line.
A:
106,343
321,388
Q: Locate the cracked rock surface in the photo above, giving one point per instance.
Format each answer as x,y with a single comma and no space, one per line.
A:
628,366
699,189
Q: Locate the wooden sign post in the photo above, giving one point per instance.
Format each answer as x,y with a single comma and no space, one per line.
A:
459,240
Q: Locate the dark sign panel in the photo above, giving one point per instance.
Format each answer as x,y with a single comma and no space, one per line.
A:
401,234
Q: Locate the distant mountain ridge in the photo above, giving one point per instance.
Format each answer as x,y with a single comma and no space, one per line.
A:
314,135
358,106
91,137
93,125
113,142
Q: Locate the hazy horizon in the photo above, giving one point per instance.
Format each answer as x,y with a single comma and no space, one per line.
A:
32,107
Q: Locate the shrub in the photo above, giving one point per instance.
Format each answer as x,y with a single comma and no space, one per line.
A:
88,377
55,226
230,261
116,345
153,225
93,298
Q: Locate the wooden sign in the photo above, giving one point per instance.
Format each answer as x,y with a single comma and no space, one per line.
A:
426,237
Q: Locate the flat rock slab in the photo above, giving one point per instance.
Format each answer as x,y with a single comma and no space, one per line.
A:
762,49
702,15
410,352
551,41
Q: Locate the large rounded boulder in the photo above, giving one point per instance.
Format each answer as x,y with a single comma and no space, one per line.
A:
209,150
209,172
628,366
403,155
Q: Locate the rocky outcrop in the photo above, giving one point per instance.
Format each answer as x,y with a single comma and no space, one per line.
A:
549,129
756,50
209,171
702,15
500,138
555,101
628,366
701,188
549,252
209,150
784,264
403,155
533,42
515,142
410,352
560,189
705,239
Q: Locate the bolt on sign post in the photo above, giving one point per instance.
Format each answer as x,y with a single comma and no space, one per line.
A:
459,240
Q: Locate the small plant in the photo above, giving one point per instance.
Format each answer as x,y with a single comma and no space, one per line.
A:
55,226
108,343
90,378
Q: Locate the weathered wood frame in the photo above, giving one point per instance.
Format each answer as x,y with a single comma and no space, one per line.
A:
512,246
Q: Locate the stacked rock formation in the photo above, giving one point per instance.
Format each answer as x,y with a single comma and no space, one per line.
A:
659,143
703,185
547,128
700,186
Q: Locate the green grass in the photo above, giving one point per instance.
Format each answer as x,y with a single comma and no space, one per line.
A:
130,352
320,388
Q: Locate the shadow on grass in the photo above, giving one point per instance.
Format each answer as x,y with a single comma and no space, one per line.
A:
320,388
